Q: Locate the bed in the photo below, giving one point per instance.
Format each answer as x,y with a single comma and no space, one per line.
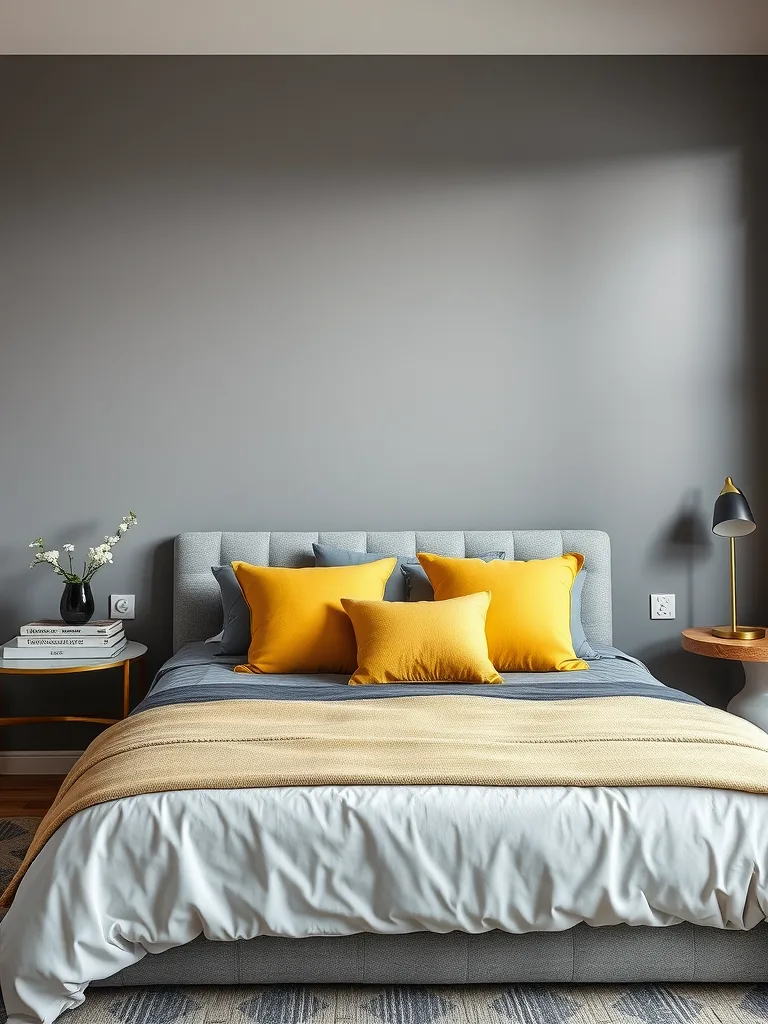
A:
353,882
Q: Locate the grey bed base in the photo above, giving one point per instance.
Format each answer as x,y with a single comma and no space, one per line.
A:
618,954
681,953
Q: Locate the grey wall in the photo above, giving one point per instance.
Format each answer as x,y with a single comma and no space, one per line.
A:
380,293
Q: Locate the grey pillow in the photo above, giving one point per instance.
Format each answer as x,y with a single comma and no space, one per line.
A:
418,586
581,645
236,635
395,590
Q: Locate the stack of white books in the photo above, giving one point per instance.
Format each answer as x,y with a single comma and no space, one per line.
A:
99,640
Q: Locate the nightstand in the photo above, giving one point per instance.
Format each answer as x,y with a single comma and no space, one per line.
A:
751,702
56,666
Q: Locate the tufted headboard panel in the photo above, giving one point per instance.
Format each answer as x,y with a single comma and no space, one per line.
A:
197,605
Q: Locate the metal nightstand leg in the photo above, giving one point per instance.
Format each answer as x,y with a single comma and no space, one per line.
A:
752,702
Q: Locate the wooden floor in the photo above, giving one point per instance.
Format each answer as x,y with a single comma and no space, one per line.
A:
22,795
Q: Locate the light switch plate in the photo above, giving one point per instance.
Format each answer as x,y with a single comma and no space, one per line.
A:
662,606
122,606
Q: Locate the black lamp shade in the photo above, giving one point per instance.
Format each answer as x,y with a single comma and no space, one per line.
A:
732,516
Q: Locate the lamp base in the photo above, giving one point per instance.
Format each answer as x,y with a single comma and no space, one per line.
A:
740,633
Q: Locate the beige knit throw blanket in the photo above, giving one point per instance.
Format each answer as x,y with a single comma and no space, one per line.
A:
417,741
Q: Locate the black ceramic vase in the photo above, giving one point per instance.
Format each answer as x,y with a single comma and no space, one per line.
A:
76,606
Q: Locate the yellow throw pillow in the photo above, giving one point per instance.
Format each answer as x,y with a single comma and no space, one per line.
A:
297,622
528,623
422,642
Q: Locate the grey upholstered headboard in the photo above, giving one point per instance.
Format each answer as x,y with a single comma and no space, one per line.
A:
197,606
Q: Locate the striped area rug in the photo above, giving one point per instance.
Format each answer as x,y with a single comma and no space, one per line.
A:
345,1004
482,1004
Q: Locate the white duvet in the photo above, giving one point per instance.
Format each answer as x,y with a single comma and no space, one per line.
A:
140,875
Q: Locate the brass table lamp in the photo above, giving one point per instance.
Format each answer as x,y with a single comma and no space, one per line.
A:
733,518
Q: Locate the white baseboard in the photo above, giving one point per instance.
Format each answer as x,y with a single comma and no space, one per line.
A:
37,762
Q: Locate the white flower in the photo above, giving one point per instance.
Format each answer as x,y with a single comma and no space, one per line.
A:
100,555
96,558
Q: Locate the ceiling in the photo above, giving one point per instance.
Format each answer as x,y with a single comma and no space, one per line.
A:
383,26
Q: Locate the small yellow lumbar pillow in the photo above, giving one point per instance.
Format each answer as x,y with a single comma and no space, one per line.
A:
528,623
297,622
422,642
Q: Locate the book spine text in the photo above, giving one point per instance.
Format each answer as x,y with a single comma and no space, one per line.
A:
69,641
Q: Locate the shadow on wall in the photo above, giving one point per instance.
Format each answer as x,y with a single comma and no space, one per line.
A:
158,624
685,542
712,680
755,169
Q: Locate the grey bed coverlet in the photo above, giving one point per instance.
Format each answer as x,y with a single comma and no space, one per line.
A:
198,673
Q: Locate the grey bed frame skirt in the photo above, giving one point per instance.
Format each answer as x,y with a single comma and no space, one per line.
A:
617,954
679,953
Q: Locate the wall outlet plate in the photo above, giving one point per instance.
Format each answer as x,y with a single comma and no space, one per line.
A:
662,606
122,606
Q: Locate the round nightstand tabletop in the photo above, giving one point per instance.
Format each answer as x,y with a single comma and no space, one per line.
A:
53,666
60,666
701,641
751,702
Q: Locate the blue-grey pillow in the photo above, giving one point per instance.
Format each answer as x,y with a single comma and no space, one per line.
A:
418,587
395,590
581,645
236,635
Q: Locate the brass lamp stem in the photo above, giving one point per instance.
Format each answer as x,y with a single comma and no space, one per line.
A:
733,584
734,633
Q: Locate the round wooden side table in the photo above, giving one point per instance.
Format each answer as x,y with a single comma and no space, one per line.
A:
58,666
751,702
